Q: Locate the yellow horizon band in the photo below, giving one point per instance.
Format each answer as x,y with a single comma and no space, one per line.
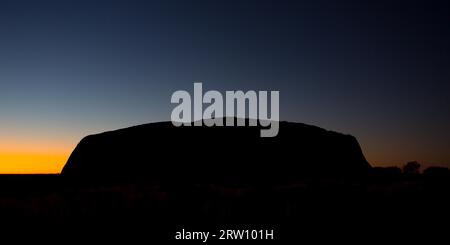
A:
32,163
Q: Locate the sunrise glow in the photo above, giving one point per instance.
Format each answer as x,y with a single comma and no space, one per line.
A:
31,163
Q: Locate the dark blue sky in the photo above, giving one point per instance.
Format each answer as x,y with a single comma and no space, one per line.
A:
378,70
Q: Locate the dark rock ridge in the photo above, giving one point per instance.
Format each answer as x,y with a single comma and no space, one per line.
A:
163,152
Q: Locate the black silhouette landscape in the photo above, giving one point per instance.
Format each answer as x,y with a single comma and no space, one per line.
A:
164,153
146,182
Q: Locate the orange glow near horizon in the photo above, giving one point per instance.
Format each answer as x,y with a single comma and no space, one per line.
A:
48,156
32,157
32,163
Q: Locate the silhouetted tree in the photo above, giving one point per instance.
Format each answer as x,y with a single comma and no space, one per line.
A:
411,168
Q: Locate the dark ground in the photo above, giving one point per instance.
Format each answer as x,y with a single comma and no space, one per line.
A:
385,206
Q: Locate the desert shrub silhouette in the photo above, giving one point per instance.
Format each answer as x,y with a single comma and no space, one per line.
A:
411,168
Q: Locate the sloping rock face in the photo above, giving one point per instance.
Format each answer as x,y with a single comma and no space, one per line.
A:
163,152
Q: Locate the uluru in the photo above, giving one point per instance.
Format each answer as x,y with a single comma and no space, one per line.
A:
162,152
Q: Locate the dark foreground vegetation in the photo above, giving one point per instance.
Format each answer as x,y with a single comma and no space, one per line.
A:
386,204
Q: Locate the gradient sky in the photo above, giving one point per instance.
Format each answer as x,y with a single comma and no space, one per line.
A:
377,70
